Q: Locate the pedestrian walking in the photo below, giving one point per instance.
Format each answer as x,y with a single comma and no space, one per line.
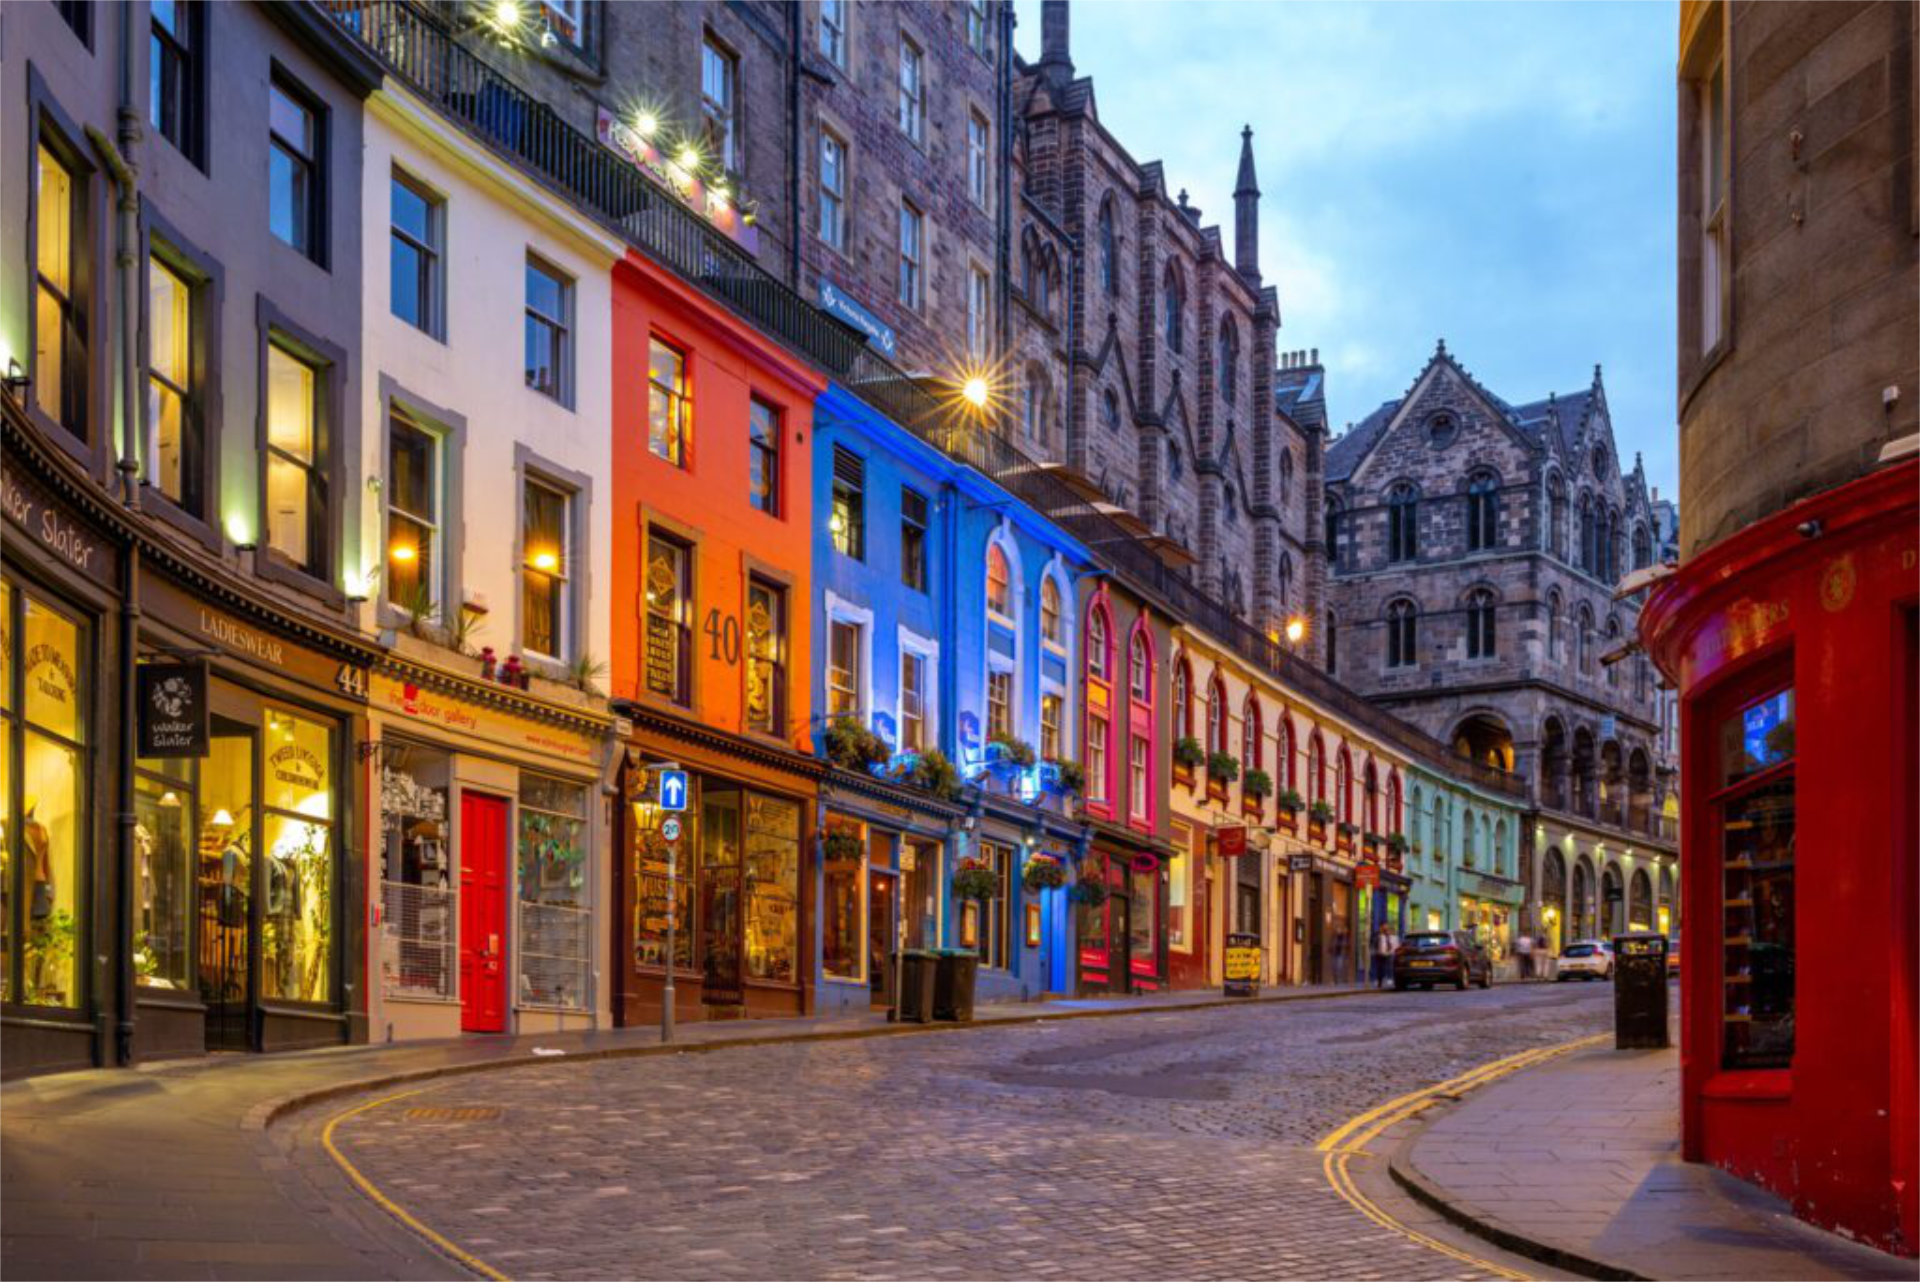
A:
1524,947
1384,942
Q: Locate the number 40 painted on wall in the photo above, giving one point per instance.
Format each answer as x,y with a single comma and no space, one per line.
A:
723,633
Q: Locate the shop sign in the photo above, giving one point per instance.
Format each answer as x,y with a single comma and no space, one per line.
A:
167,602
834,301
172,718
44,522
1230,843
1366,874
1093,959
709,199
1299,863
1241,965
416,703
1143,864
1489,887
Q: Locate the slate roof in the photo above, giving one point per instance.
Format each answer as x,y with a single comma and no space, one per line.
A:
1573,409
1301,394
1345,454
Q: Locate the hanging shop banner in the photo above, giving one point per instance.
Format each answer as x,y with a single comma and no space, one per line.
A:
1230,843
173,709
1366,874
1299,863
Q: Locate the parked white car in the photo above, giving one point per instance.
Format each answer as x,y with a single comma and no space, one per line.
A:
1586,959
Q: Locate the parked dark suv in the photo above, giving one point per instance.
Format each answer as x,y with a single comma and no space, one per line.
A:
1430,957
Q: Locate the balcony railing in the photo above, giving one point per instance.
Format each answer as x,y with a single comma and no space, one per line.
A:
424,54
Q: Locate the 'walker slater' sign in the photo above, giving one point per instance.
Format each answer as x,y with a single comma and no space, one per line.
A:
173,709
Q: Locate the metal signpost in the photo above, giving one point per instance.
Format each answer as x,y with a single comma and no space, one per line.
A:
672,787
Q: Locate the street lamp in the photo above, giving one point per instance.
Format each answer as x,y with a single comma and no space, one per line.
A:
1296,629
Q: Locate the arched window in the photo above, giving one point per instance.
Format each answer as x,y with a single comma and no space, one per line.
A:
1394,821
1109,249
1286,583
1480,635
1343,786
1227,375
1283,768
1333,643
1483,511
1317,767
1616,547
1173,461
1403,523
1286,476
1372,794
1588,558
1466,838
1613,642
1557,516
1050,621
1110,412
1553,625
1335,552
1216,716
1140,668
1174,309
1099,647
999,582
1182,699
1642,547
1402,638
1585,641
1497,852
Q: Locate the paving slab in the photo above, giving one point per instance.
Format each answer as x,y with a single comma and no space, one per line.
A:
1611,1196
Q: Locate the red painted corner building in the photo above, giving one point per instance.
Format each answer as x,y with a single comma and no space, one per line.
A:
1795,647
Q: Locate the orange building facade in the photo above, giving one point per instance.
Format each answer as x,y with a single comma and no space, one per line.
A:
711,550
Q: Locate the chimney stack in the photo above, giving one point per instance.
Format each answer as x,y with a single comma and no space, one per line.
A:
1053,41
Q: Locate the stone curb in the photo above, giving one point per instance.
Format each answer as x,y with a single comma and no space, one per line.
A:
264,1114
1429,1195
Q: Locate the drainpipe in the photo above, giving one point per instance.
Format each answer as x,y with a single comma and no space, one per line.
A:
127,179
793,143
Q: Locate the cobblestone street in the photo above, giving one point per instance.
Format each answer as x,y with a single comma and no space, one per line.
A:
1177,1144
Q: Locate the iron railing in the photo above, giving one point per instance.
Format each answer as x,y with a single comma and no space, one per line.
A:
423,52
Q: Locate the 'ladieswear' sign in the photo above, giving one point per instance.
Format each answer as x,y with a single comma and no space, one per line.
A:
173,709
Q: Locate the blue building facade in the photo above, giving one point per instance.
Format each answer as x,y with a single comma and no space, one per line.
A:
944,625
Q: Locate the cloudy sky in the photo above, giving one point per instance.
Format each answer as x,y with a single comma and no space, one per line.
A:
1498,173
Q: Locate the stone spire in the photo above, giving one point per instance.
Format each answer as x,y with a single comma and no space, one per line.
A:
1246,212
1054,58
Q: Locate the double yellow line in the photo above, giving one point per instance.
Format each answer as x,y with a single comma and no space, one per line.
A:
386,1203
1350,1139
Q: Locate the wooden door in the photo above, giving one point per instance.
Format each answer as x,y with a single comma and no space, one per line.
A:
483,913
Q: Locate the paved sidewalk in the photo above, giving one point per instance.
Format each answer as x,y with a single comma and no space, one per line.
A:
170,1171
1579,1160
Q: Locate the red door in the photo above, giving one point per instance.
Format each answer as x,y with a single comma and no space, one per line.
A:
483,913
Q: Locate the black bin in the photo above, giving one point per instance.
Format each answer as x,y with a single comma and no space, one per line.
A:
917,968
1640,991
955,970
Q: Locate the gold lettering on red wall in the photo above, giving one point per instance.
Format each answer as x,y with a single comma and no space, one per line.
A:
1837,583
1751,624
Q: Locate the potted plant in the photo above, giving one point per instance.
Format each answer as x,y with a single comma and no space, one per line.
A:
1005,750
1291,801
1258,785
975,880
1321,812
1222,767
1397,842
1069,778
934,773
1043,872
852,746
1187,756
1089,891
843,847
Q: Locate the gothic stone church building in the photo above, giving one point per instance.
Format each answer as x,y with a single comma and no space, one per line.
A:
1473,545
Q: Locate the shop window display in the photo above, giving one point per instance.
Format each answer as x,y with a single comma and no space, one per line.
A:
773,888
417,928
719,894
225,867
1757,827
842,934
1144,892
556,920
44,733
165,815
297,871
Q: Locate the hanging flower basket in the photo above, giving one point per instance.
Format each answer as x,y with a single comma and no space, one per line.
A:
1187,752
1258,785
1290,800
843,847
1321,812
1070,778
1043,872
1089,891
976,881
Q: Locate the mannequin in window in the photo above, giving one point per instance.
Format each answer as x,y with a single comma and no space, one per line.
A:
40,868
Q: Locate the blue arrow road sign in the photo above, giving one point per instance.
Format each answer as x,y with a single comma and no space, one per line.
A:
673,790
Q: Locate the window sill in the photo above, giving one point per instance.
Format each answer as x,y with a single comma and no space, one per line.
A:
299,580
165,509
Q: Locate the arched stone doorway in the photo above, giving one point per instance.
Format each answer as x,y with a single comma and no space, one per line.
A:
1553,900
1583,921
1613,895
1484,738
1640,901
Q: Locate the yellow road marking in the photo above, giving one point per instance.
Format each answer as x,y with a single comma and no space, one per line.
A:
386,1203
1351,1138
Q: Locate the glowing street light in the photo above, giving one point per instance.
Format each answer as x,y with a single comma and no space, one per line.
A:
976,392
1296,629
546,561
